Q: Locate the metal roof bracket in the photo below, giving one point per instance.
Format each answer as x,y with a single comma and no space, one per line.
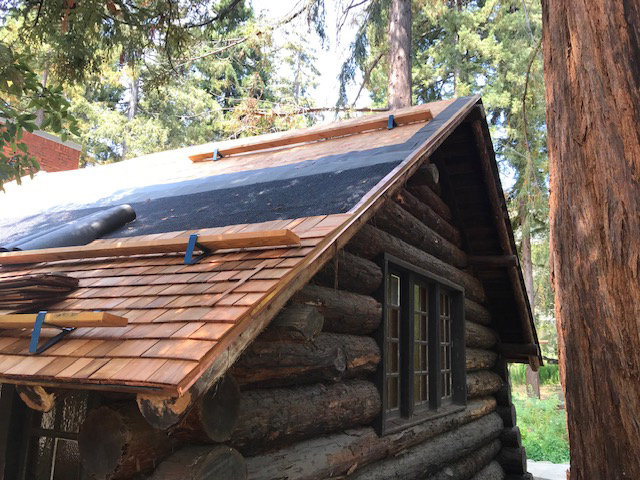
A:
216,155
189,259
392,122
37,328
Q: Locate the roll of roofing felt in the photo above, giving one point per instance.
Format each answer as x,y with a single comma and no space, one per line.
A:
78,232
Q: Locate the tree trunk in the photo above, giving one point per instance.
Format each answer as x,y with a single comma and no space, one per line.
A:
271,417
399,89
471,464
343,312
328,357
336,454
592,75
532,378
202,463
428,457
116,442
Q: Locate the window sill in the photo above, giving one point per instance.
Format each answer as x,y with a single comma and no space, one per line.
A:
395,425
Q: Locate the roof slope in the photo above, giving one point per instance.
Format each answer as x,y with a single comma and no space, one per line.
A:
188,319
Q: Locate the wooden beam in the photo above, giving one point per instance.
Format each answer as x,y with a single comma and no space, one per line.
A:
493,261
126,247
364,124
524,349
64,319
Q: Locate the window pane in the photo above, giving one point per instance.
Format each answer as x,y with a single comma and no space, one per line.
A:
445,346
67,460
393,295
393,394
393,360
393,323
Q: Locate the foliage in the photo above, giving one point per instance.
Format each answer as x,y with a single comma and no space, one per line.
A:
549,374
543,426
22,96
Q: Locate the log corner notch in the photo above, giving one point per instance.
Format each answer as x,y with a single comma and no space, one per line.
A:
36,397
166,413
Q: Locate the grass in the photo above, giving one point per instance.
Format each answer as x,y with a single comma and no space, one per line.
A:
543,423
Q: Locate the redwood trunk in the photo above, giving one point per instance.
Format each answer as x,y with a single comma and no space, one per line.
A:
592,74
400,54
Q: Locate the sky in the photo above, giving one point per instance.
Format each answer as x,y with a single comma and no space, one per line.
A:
330,58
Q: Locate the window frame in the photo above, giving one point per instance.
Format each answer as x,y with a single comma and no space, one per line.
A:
408,413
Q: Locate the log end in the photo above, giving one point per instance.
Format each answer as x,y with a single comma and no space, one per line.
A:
36,398
163,412
219,409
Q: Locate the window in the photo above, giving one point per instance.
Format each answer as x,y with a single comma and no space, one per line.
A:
422,340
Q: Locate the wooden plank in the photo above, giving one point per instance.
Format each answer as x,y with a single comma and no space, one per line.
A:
64,319
127,247
367,123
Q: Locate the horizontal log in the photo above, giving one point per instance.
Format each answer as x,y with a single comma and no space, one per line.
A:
483,383
426,215
470,465
431,198
36,397
428,175
214,415
493,471
428,457
508,415
272,417
329,357
513,460
478,359
479,336
511,437
394,219
202,463
370,242
295,321
476,313
116,442
352,273
343,312
336,454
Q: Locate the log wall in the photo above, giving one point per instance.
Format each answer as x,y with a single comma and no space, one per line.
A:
301,402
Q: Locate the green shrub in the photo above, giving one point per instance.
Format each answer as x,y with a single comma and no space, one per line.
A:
543,426
549,374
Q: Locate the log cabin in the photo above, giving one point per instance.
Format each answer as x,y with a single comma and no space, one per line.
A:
333,302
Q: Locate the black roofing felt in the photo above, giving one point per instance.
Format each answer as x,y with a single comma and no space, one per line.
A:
328,185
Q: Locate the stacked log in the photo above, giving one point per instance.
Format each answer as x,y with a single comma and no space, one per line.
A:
202,463
470,465
340,453
351,273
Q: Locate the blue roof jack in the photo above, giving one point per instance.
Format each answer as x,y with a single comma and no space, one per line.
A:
216,155
35,335
189,259
392,122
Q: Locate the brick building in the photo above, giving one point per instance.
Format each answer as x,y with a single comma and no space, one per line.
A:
53,154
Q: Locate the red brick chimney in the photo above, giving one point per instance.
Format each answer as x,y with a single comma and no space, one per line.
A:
52,154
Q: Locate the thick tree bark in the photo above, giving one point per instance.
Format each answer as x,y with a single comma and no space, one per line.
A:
371,242
399,89
333,455
471,464
394,219
116,442
592,75
428,457
271,417
202,463
352,273
343,312
329,357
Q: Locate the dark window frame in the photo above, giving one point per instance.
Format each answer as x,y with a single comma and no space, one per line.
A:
408,413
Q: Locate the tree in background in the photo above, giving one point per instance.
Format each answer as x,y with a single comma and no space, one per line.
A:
592,69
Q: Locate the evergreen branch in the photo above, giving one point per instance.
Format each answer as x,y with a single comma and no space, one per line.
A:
367,76
213,52
219,16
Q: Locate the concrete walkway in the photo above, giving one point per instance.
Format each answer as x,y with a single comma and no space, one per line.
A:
547,470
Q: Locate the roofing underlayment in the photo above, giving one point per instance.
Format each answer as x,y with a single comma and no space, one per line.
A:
185,319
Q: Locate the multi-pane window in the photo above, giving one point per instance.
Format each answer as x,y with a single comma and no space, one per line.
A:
422,340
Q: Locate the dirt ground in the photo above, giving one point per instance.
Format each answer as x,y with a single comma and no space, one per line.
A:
545,391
